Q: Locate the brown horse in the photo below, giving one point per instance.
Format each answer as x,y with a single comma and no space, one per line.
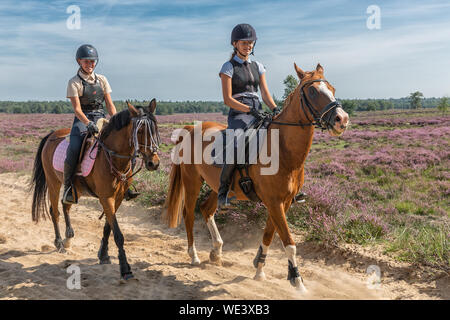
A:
129,133
311,103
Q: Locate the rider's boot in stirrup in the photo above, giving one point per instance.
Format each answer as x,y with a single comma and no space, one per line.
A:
299,197
68,197
130,194
225,181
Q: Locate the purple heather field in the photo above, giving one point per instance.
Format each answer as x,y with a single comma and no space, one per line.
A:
386,180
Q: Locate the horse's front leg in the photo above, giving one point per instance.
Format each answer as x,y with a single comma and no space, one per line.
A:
260,259
103,251
109,209
278,218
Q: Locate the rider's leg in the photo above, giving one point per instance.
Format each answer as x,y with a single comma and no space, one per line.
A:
70,166
225,181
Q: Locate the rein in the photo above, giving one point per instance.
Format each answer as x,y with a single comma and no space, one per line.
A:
317,120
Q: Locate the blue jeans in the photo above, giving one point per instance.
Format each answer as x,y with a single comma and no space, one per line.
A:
241,120
77,134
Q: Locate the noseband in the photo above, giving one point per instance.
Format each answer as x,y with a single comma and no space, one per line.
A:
323,119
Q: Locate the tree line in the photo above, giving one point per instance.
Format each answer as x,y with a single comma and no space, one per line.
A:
414,101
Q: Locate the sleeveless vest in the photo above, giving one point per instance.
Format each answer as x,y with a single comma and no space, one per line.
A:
93,95
245,77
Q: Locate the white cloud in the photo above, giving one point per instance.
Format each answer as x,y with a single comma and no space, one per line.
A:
178,57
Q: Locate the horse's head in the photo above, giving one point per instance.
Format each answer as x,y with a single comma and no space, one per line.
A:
145,136
317,99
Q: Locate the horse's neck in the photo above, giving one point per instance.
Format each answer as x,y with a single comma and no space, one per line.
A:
294,141
119,142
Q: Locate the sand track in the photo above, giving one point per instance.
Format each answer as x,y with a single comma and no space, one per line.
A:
30,268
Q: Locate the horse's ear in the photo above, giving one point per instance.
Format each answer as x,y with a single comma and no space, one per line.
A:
301,74
319,68
152,105
132,109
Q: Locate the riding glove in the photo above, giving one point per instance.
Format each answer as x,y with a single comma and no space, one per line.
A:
256,113
92,128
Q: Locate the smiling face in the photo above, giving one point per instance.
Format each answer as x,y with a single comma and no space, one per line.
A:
88,66
244,47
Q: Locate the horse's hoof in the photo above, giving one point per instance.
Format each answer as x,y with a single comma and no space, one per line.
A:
297,283
59,244
195,261
105,261
126,278
66,243
261,276
61,250
70,233
214,257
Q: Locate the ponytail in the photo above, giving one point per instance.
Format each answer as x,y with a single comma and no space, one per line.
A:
234,53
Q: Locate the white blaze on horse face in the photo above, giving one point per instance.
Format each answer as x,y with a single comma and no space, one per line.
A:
324,89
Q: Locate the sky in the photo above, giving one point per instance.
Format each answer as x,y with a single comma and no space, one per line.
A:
173,50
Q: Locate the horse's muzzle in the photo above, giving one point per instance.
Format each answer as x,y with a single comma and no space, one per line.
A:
151,165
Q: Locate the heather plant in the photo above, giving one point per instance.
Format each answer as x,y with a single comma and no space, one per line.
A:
386,180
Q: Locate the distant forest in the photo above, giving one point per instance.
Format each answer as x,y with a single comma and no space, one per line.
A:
168,107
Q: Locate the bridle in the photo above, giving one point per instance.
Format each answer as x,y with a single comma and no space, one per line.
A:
147,122
323,119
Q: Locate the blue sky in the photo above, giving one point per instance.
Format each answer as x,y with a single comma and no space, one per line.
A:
173,50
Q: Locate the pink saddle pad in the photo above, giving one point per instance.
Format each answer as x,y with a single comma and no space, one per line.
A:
86,165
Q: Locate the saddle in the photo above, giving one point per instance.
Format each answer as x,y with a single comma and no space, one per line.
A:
88,153
250,157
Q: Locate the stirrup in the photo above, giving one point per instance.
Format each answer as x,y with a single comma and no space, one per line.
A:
69,192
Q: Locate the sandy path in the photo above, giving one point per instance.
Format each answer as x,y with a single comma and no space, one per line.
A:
30,268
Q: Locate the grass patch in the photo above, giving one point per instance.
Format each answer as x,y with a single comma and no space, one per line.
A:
424,244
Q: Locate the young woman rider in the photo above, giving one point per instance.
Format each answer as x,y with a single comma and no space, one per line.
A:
87,91
241,77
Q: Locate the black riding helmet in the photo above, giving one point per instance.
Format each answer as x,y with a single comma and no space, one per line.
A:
87,51
244,32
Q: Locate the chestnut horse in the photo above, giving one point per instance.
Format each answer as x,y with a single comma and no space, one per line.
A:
129,133
311,104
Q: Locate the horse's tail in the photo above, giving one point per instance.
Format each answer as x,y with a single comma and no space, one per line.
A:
39,185
173,206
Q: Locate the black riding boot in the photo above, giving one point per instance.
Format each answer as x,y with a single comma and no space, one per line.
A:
225,181
68,197
130,194
299,197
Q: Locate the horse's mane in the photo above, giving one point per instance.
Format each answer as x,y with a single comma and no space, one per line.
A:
118,121
291,95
